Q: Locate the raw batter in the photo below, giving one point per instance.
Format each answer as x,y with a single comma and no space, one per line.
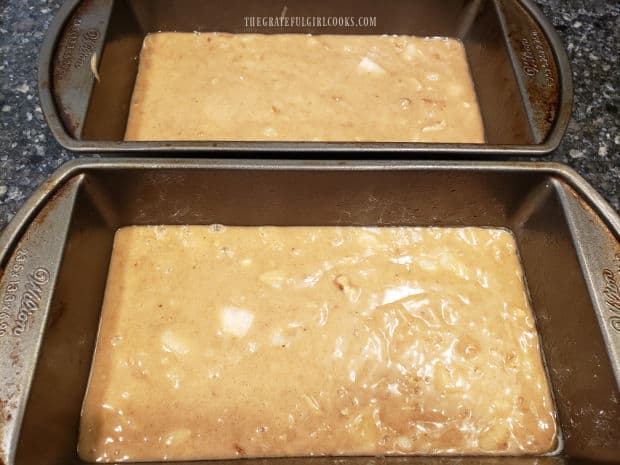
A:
231,342
296,87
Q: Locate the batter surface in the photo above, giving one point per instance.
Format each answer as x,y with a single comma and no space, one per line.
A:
264,341
296,87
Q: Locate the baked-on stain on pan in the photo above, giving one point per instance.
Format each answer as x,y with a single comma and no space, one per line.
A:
55,262
519,67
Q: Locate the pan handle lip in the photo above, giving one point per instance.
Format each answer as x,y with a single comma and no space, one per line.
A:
30,269
46,57
599,258
564,71
60,133
564,106
14,231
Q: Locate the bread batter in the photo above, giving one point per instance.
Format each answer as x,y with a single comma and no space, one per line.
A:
296,87
219,342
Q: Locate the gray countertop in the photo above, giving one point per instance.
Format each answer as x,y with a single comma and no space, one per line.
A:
590,30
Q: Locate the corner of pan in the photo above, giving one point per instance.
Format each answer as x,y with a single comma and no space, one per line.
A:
14,230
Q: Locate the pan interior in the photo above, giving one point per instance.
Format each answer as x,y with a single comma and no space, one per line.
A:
527,203
477,24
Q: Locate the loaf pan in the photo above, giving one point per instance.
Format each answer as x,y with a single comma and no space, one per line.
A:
519,67
55,255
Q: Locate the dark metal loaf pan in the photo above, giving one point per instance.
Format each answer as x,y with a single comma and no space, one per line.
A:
56,251
519,67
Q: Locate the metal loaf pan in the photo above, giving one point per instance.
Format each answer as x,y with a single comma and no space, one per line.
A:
519,67
55,255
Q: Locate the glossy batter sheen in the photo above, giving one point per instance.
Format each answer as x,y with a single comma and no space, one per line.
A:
288,87
230,341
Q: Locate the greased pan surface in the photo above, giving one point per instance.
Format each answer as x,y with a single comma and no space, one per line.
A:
520,71
55,255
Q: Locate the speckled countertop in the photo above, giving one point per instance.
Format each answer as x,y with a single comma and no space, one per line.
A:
590,30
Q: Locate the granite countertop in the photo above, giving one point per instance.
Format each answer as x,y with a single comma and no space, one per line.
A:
590,30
